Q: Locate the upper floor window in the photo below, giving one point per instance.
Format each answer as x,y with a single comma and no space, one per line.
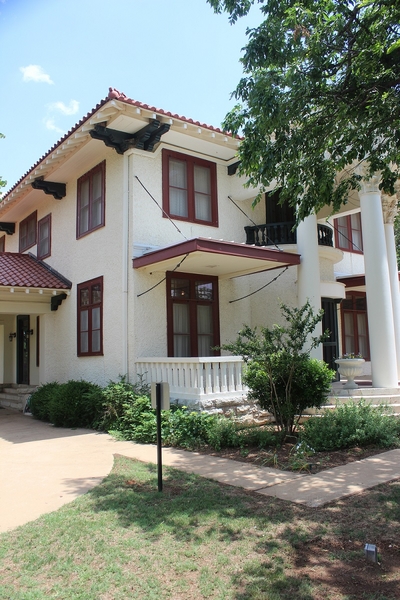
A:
91,200
90,317
348,234
44,237
3,243
189,188
27,232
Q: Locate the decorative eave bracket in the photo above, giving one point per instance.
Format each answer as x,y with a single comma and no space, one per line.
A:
233,168
9,228
144,139
55,189
57,300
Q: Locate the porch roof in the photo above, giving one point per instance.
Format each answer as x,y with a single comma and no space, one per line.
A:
215,257
26,271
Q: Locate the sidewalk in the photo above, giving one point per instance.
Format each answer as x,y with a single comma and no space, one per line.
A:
43,467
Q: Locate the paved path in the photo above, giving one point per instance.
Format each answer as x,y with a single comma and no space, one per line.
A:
43,467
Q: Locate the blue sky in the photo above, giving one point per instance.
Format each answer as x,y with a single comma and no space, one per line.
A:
59,57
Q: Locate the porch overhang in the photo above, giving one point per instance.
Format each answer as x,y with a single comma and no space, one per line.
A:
215,257
28,285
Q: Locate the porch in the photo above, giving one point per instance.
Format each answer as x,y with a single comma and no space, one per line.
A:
215,384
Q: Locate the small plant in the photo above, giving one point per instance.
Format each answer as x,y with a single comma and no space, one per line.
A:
299,457
351,355
74,404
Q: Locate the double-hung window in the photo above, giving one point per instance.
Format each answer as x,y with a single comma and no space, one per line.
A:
189,188
90,317
91,200
44,237
348,234
27,232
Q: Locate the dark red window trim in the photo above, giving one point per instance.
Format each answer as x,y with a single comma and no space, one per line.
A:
349,235
354,311
190,161
101,167
89,307
41,222
24,241
193,302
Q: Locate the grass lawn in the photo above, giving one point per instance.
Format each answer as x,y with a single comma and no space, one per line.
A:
200,539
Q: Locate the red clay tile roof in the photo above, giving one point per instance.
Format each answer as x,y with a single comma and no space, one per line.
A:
25,270
114,94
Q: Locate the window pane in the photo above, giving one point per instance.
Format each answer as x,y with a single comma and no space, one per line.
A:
202,206
343,233
355,221
84,320
84,342
96,318
204,329
181,318
178,204
31,231
204,290
84,207
44,238
97,191
202,180
180,288
177,174
96,294
349,333
84,300
96,341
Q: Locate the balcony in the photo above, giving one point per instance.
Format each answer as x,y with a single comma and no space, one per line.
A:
283,233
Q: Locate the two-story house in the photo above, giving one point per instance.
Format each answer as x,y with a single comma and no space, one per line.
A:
132,248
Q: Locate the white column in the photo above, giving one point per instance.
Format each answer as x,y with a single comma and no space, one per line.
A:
308,277
377,279
389,206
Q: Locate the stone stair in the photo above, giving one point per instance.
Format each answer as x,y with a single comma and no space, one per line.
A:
389,397
14,395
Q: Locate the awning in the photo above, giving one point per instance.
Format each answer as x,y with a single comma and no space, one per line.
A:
215,257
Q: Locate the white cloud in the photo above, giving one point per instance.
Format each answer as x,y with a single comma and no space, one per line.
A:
50,124
70,109
35,73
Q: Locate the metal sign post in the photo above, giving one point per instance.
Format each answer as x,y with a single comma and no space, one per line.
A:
159,401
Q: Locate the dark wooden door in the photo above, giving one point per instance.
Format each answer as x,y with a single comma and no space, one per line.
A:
23,335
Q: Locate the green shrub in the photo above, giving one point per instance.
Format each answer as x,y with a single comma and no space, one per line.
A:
116,398
75,404
39,401
279,371
351,424
138,420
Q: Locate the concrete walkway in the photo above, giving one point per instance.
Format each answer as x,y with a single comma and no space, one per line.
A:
43,467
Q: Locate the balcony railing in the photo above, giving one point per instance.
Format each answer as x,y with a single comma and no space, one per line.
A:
195,379
283,233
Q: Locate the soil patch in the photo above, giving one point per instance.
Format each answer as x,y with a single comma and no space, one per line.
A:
285,459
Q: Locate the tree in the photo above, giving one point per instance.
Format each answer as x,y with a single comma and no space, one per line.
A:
279,371
320,97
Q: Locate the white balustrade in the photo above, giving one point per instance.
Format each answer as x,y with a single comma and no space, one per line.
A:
196,378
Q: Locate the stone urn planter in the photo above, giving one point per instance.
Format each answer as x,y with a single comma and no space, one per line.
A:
350,368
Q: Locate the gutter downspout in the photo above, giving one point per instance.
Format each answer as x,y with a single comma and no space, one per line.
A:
125,263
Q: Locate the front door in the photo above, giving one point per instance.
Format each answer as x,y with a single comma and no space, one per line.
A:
23,335
330,321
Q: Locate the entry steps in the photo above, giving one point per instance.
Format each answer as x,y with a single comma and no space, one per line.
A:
389,397
14,395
